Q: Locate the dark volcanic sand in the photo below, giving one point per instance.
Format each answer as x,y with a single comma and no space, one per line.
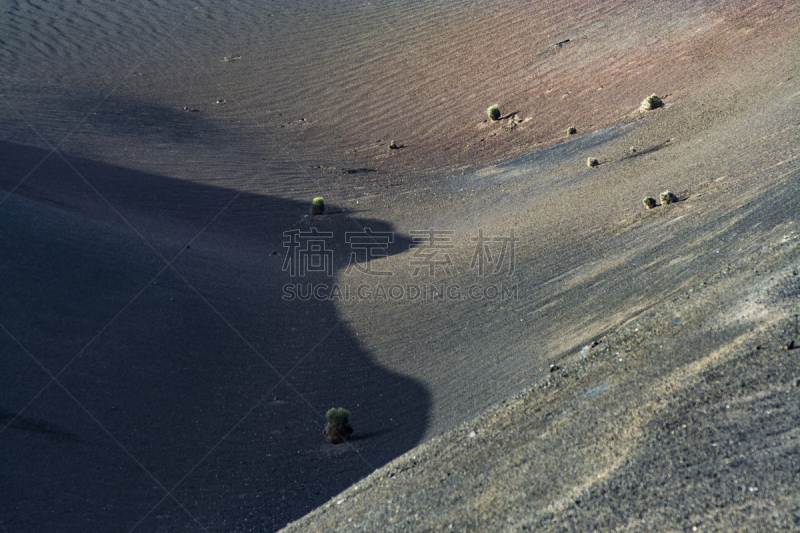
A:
153,378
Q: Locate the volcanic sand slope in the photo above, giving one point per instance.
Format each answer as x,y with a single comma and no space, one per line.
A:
684,418
686,412
189,394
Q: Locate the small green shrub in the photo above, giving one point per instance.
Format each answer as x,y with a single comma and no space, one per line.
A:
318,206
571,130
668,198
392,146
338,429
650,103
494,112
649,202
337,412
592,162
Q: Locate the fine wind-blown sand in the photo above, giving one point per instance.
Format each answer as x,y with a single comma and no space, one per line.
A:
156,377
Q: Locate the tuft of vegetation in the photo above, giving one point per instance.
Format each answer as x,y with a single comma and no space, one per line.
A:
650,103
493,112
592,162
338,429
668,198
571,130
392,146
337,412
649,202
318,206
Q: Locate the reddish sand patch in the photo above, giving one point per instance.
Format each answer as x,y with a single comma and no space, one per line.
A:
426,82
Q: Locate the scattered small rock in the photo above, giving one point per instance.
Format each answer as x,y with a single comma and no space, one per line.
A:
633,150
472,434
789,345
230,58
220,102
592,162
554,368
796,382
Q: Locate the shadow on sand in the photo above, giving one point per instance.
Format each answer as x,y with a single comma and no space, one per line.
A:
191,387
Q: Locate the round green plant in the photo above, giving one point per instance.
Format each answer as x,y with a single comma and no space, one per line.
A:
338,429
318,206
668,197
651,102
493,112
337,412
